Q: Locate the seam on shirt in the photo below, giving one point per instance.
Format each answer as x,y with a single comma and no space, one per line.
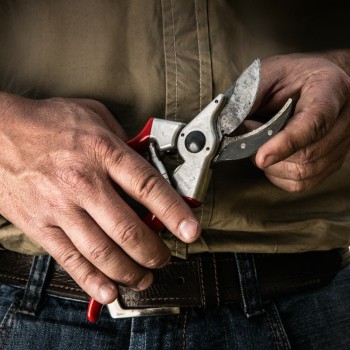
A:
199,57
202,214
175,60
200,81
176,248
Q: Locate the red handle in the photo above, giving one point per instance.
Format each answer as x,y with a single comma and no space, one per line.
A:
94,310
140,142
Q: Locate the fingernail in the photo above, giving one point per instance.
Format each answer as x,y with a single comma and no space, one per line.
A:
107,291
145,282
188,230
269,160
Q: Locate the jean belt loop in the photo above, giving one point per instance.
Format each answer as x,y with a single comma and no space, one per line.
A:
250,291
34,290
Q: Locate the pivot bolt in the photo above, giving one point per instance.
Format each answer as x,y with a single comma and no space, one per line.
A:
195,141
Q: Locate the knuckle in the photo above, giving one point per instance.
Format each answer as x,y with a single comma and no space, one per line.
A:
169,209
320,126
290,141
128,233
38,224
157,262
100,254
101,142
306,155
295,171
107,149
146,185
131,278
74,263
86,277
103,146
300,172
75,177
69,258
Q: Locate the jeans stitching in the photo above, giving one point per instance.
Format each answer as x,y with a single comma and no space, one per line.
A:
184,329
272,330
280,327
248,282
225,332
281,337
177,330
9,315
244,289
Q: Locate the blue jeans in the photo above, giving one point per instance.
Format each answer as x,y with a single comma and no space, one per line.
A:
318,319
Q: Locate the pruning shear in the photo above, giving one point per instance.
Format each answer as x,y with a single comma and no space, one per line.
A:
201,143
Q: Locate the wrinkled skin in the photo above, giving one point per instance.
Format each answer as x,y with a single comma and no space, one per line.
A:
58,160
61,158
315,142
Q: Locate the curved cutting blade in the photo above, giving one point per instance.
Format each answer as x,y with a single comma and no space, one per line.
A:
241,96
245,145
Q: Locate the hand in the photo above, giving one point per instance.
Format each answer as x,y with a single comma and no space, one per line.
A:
315,141
59,160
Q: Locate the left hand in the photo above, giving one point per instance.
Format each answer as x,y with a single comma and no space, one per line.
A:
315,141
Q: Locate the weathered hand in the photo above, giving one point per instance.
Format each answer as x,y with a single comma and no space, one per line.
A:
59,161
315,141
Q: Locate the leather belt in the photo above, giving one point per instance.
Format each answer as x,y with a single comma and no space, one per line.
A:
202,280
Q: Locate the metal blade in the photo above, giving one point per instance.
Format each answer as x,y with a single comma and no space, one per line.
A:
245,145
241,96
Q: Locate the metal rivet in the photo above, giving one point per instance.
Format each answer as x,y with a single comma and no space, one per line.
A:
270,132
243,145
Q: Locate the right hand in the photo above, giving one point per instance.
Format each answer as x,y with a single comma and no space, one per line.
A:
59,160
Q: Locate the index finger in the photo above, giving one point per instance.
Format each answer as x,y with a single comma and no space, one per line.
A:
143,182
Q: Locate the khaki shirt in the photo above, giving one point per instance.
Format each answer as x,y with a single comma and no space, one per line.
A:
169,59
